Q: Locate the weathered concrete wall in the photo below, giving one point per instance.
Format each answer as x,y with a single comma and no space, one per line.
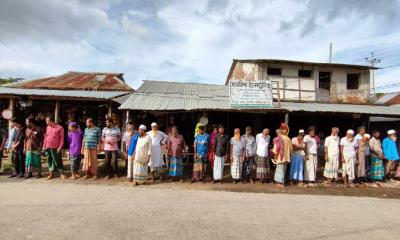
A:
309,87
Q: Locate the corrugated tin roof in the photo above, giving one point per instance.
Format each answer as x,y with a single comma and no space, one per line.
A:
168,96
121,99
77,81
62,93
387,97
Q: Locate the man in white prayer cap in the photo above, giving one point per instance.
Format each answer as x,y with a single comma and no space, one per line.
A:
332,155
391,154
348,151
142,157
158,141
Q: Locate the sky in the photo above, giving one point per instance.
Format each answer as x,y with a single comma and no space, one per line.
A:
193,41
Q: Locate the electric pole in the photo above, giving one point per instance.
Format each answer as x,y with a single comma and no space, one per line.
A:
372,60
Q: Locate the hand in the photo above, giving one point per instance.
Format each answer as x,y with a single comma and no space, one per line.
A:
195,157
307,158
326,158
58,150
98,149
231,159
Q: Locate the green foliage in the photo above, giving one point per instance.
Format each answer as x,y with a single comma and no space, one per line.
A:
9,80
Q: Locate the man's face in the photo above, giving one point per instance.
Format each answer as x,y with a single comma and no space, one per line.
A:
377,134
108,124
266,132
129,128
362,131
142,132
174,131
334,132
89,123
154,128
393,137
221,130
312,133
248,131
237,132
215,130
49,122
349,135
201,131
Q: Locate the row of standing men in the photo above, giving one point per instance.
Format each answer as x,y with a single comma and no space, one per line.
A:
361,155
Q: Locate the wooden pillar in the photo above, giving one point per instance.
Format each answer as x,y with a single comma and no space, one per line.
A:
109,110
57,112
287,119
12,109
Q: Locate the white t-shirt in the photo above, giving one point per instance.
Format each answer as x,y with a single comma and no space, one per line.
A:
262,145
295,141
332,143
349,148
311,144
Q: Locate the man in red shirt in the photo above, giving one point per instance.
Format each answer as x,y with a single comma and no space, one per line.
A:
53,144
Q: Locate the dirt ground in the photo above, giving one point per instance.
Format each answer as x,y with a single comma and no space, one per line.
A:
32,209
389,189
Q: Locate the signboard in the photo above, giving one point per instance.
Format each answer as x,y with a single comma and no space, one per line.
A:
250,94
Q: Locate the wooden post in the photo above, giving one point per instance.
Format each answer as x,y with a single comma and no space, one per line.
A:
57,111
287,119
11,107
127,116
109,110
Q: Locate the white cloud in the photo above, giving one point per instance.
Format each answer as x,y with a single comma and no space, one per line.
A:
188,40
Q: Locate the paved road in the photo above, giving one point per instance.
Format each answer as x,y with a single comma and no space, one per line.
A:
42,210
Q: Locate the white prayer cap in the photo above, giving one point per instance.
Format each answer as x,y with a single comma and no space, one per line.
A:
301,131
143,127
350,132
154,124
367,136
390,132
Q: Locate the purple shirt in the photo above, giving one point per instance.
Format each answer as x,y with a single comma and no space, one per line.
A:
75,143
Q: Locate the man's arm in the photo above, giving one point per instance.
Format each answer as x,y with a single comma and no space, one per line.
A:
61,135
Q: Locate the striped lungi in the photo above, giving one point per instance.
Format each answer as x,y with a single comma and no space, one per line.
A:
218,170
263,168
331,167
310,168
140,170
377,171
280,172
236,168
348,168
175,166
296,167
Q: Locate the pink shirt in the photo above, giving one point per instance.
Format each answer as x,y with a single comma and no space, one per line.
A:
54,137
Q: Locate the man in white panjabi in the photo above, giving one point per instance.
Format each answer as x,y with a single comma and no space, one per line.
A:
332,154
311,151
158,141
141,156
348,150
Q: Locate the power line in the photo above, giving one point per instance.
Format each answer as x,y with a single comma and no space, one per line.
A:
395,65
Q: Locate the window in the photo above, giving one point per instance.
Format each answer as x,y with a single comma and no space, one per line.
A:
325,80
352,80
274,71
305,73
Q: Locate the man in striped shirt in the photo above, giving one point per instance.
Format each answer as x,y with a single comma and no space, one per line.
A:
90,148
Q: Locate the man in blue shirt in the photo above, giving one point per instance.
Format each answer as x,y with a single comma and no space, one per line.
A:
390,152
131,143
201,142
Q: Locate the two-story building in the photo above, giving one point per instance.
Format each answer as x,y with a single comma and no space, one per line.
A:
307,81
